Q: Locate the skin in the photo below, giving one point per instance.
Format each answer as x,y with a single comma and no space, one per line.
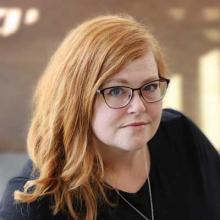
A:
121,143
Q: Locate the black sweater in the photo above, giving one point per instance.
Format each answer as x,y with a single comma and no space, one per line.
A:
184,174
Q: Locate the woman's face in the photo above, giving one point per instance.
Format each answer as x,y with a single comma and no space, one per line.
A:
131,127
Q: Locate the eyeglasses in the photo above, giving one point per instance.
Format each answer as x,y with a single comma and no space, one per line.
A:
120,96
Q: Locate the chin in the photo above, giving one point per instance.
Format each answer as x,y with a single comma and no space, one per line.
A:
133,147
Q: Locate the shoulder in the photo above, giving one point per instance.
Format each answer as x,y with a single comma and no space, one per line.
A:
182,140
182,131
171,116
181,143
10,210
179,126
181,137
173,127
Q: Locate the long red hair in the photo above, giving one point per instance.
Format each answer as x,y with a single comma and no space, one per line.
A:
60,138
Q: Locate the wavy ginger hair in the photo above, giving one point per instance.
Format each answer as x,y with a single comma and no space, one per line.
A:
60,138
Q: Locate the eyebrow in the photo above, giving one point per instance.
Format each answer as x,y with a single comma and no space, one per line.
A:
124,81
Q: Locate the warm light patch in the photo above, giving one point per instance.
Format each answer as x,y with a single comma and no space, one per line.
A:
211,14
212,34
11,20
31,16
173,98
209,81
177,13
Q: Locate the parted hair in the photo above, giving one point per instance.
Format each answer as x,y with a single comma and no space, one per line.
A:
60,139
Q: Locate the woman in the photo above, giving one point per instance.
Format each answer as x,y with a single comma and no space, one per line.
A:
100,145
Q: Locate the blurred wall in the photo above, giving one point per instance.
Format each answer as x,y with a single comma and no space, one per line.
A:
189,32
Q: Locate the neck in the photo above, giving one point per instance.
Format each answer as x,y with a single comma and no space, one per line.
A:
126,170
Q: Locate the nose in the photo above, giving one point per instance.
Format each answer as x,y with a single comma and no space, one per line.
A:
137,104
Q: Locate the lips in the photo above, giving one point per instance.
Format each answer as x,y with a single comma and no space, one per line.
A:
135,124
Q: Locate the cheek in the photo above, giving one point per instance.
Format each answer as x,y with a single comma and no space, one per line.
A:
155,111
100,123
104,120
102,128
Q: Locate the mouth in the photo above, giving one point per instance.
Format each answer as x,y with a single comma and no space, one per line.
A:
136,124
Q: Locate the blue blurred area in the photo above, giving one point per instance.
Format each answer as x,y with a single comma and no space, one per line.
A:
10,165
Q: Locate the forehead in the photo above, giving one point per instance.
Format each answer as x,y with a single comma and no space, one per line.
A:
138,71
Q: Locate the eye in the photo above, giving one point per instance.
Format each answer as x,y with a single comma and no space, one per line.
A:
152,87
115,91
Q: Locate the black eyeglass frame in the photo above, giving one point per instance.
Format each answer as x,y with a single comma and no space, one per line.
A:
161,79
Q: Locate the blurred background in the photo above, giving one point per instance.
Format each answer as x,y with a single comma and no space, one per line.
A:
31,30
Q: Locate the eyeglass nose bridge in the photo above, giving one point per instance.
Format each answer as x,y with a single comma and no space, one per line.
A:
132,94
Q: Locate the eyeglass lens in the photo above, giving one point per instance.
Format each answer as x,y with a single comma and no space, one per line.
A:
119,96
